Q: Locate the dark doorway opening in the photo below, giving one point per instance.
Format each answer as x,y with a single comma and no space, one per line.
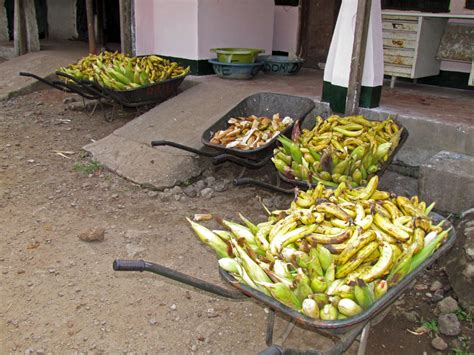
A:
108,20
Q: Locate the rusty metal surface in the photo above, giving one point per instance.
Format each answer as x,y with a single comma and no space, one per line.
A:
457,42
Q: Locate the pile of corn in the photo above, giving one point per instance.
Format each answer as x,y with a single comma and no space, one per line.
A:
120,72
339,149
333,252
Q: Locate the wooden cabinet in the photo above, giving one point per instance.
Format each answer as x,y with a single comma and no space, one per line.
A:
410,45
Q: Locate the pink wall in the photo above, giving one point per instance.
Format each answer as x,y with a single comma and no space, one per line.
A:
189,28
285,28
231,23
166,27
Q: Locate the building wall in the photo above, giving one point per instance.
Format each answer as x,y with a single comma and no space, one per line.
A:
61,19
285,29
230,23
189,28
166,27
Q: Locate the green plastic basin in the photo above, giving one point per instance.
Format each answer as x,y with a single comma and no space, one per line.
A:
237,55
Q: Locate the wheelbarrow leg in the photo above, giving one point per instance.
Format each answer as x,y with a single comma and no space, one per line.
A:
363,339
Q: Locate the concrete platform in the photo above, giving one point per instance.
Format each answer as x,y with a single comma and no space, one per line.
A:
443,123
43,63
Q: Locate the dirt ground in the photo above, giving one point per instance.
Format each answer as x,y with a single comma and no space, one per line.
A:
59,294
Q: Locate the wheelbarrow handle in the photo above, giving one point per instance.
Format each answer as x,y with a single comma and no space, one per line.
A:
182,147
250,181
248,163
141,265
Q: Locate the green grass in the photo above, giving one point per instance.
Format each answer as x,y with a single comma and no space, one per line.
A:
88,167
431,326
463,315
465,341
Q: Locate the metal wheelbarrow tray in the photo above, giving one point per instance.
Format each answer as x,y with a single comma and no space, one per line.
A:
146,95
306,184
342,332
260,104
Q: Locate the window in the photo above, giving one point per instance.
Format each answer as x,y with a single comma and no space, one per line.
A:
470,4
287,2
428,6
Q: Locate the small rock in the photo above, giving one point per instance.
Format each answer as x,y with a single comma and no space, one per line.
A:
190,191
436,285
438,295
447,305
221,186
193,347
469,272
439,344
165,196
469,253
449,324
115,196
411,316
152,194
52,271
210,180
92,234
173,307
207,193
420,287
134,250
176,190
199,185
153,321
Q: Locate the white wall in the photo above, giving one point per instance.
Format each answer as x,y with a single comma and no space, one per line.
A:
61,19
285,28
189,28
166,27
231,23
458,7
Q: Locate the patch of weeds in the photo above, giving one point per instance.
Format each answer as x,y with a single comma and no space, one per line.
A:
431,326
88,167
463,315
465,344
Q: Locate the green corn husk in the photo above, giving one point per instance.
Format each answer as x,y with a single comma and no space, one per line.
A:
321,299
428,249
240,231
402,268
314,266
224,235
318,284
253,228
281,269
310,308
348,307
283,293
230,265
325,257
302,288
255,272
333,286
211,239
328,312
363,294
380,289
330,274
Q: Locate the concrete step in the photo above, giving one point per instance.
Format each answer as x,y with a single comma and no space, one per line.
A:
448,179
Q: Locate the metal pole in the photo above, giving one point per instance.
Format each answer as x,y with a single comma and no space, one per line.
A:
358,56
90,26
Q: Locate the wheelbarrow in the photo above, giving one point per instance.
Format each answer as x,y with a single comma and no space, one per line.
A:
261,104
133,98
342,332
306,184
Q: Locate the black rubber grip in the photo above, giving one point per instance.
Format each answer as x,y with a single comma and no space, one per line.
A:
129,265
